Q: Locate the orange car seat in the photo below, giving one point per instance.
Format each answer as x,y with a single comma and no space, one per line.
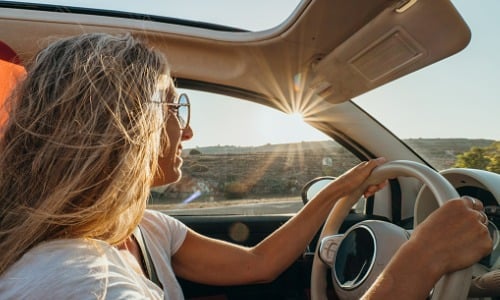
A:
11,71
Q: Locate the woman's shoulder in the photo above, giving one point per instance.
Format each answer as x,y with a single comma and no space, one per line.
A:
157,216
164,231
71,268
158,221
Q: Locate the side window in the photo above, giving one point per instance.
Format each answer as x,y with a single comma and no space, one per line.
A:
246,158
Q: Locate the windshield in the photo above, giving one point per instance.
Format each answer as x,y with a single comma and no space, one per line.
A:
235,165
452,105
446,112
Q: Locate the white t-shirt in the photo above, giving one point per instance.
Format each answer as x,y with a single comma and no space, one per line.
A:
92,269
163,236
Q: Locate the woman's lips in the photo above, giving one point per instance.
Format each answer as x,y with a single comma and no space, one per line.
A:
179,155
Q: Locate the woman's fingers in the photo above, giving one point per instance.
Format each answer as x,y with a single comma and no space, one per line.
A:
456,234
355,178
372,189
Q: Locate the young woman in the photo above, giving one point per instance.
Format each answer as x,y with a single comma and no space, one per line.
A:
87,130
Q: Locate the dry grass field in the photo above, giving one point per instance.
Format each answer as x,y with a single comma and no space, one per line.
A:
228,173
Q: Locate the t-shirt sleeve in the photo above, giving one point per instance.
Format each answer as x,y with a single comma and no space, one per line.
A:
165,229
163,237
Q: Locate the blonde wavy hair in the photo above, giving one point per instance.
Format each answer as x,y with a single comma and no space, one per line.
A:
80,148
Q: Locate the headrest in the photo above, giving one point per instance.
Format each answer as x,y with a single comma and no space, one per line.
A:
11,71
7,54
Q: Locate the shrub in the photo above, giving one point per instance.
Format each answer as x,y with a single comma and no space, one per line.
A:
483,158
235,190
194,152
196,168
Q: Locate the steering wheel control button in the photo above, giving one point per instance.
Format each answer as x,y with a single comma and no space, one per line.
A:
328,247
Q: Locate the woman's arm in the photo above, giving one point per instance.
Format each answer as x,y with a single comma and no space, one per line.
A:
215,262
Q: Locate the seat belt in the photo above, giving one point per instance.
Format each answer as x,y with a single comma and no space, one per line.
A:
146,257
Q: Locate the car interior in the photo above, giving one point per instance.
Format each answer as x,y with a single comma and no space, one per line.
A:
323,55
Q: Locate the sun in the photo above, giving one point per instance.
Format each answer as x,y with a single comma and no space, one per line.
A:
296,117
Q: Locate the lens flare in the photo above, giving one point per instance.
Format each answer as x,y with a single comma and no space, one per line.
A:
297,117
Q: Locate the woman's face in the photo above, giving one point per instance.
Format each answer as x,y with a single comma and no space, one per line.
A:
170,161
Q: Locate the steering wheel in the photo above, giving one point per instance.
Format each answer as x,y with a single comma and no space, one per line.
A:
451,286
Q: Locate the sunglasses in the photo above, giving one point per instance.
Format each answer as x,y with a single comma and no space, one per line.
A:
181,107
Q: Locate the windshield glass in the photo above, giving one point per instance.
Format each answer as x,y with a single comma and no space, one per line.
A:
235,165
452,105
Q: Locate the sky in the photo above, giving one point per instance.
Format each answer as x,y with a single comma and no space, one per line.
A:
464,88
458,97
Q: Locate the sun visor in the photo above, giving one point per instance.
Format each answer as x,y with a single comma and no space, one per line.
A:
400,40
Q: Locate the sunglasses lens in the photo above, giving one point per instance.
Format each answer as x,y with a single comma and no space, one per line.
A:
183,111
182,120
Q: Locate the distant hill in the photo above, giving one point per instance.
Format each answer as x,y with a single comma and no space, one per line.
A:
421,145
303,146
456,145
442,153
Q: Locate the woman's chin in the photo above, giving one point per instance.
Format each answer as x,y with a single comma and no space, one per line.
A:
168,178
174,176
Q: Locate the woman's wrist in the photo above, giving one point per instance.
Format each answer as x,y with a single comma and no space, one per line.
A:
423,259
410,274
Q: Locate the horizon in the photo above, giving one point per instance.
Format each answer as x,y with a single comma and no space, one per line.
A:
331,141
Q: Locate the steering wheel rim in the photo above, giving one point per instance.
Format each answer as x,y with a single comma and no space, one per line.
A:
450,286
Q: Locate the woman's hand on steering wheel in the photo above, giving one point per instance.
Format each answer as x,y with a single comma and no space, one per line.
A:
471,240
355,179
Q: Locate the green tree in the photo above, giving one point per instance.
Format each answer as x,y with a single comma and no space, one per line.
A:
494,165
483,158
474,158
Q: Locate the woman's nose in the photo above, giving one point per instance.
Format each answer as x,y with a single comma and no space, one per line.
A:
187,133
